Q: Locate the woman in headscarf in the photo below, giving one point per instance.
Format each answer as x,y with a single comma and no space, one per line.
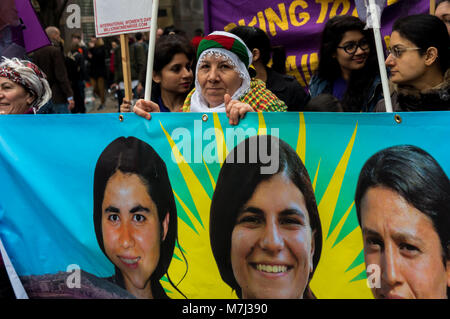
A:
23,87
223,82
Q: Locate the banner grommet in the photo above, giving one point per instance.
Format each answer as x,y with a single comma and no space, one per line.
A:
398,118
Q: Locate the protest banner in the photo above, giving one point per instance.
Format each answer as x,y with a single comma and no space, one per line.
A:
117,17
51,199
297,25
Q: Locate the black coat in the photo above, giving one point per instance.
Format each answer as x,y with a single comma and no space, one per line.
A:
287,88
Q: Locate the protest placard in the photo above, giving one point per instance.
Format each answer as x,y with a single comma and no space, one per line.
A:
117,17
114,17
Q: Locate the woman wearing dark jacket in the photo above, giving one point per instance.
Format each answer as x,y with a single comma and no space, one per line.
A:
419,65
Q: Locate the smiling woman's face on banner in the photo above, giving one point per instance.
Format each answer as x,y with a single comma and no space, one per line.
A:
131,231
272,244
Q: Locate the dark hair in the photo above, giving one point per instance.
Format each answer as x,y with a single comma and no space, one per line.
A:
133,156
238,180
138,36
431,33
323,103
329,68
417,177
166,48
171,30
255,38
76,35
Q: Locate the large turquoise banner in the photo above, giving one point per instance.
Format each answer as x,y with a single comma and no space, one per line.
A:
109,206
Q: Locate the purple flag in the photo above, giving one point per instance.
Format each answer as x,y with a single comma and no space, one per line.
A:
11,37
297,25
34,36
9,13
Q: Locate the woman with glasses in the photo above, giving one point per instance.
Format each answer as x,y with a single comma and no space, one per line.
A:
348,67
419,65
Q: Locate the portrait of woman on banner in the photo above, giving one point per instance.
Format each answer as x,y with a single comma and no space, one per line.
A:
403,207
135,216
265,229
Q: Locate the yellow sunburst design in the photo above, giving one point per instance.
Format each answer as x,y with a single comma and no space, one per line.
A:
220,139
202,279
262,128
315,177
301,140
333,278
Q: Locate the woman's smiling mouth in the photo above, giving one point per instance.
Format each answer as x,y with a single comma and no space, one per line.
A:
130,262
272,269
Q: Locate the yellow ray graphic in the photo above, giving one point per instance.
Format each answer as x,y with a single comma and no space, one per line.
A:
331,280
329,200
211,178
201,198
301,141
202,269
262,128
195,223
317,174
220,139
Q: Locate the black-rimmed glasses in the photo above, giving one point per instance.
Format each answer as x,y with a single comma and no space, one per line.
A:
352,47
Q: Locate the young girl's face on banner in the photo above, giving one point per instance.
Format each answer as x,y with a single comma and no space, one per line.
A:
404,244
272,242
131,231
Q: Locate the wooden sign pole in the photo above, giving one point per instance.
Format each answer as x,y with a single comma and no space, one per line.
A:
126,66
432,6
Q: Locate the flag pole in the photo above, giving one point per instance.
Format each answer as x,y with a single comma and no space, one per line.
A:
432,6
151,50
380,54
126,69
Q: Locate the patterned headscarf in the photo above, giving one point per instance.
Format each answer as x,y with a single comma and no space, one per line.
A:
229,41
231,47
30,77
